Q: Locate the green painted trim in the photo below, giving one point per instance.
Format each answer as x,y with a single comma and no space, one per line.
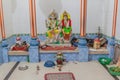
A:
44,34
116,40
40,34
9,37
107,36
21,34
91,33
6,38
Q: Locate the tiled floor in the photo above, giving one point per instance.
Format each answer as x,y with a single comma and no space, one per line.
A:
81,70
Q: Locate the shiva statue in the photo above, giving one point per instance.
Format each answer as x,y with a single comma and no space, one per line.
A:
66,25
53,28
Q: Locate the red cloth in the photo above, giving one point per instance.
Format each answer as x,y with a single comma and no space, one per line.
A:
63,24
22,48
59,48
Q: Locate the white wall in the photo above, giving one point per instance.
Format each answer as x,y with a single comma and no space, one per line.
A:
100,13
7,17
20,16
44,7
95,15
108,16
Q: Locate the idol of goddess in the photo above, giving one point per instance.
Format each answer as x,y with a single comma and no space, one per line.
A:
66,25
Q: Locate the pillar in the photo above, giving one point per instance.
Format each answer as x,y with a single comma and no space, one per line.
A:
4,42
114,18
111,44
34,49
83,49
83,17
2,28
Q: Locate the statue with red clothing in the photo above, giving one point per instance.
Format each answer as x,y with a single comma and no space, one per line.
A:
66,25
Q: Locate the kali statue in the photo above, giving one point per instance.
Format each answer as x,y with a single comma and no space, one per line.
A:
66,25
53,33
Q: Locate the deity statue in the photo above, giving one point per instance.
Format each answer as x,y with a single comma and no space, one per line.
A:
20,45
54,29
18,40
66,25
59,58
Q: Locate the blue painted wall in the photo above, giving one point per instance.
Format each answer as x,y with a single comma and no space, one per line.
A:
96,56
18,58
52,56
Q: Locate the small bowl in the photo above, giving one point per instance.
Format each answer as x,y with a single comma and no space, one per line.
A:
105,60
112,72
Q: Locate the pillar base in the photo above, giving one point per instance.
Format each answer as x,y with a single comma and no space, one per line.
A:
5,51
5,54
82,42
111,47
4,43
112,41
83,50
34,50
34,42
34,54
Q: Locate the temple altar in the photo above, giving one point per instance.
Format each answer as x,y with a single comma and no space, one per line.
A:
59,40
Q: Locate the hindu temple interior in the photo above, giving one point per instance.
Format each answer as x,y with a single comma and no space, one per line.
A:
59,40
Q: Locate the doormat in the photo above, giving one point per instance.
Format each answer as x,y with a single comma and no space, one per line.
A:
59,76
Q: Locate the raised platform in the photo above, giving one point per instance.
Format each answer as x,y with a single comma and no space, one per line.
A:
41,55
70,55
18,53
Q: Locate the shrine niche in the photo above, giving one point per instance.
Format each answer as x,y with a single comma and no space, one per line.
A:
58,31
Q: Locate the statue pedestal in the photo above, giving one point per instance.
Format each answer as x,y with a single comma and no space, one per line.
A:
83,50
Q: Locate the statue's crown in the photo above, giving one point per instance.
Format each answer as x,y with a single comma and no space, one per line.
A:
65,13
53,14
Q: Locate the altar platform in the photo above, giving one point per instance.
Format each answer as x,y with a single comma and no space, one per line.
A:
70,55
82,54
81,70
